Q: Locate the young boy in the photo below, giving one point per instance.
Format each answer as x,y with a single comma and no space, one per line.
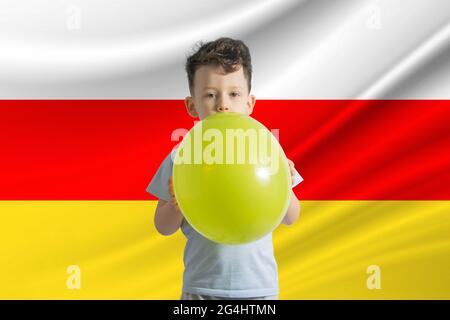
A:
219,76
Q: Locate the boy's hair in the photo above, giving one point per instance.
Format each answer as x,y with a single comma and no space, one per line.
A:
228,53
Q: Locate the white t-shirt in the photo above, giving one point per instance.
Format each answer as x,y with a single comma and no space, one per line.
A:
236,271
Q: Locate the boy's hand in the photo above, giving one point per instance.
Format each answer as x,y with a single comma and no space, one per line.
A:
173,200
291,167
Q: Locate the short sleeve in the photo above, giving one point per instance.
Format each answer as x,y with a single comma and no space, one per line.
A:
297,179
159,186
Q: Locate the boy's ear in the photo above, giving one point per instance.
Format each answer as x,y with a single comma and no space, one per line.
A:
190,108
251,104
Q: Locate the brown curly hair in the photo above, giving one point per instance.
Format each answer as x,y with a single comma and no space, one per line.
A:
228,53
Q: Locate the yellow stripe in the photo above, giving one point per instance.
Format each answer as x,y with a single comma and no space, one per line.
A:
325,255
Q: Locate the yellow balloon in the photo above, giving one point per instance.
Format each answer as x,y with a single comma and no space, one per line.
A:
231,179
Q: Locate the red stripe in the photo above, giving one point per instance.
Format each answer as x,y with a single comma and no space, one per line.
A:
345,149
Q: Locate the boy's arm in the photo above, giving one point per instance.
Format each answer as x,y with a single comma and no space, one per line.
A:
168,216
293,210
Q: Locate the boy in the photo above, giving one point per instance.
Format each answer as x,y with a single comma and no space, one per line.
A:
219,76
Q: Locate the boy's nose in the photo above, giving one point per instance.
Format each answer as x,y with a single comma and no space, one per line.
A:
223,109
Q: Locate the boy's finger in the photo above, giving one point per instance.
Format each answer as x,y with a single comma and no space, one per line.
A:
291,167
174,202
170,184
291,164
172,194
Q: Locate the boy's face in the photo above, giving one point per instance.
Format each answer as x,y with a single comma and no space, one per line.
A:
215,91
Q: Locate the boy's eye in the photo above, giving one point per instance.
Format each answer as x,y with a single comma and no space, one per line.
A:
234,94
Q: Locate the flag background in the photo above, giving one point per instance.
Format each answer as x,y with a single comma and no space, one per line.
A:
92,91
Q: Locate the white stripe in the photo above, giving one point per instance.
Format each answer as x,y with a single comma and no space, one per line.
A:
316,49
